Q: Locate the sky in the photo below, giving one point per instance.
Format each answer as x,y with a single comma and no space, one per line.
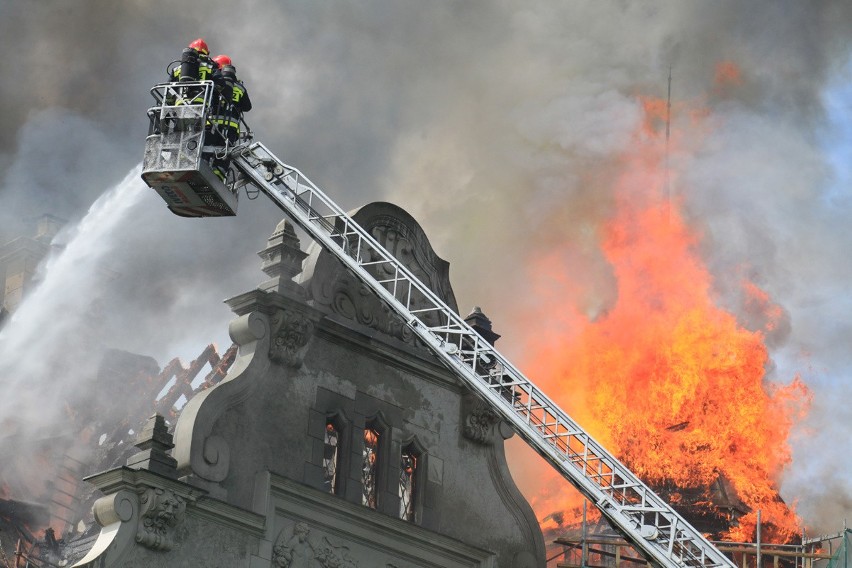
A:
497,124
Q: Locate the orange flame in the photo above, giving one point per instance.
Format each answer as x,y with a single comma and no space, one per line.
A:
728,73
668,381
371,437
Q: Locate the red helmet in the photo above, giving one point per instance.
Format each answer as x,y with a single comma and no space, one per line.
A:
200,46
222,60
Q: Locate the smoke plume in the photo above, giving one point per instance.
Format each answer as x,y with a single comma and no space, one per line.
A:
497,125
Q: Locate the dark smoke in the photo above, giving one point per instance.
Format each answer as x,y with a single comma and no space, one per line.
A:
496,124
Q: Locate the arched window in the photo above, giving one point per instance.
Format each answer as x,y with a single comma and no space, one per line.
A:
408,481
331,456
370,465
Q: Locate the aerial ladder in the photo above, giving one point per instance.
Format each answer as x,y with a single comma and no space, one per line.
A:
175,167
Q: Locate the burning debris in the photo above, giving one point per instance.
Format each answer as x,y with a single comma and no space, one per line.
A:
42,493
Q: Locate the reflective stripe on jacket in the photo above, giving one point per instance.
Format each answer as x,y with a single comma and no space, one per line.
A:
205,69
225,121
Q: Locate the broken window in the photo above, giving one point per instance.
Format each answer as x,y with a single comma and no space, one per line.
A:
370,467
407,483
331,457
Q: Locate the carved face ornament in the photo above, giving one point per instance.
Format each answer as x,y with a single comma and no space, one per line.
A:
167,512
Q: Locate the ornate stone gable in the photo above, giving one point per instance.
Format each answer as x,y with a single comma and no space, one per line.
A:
246,482
331,286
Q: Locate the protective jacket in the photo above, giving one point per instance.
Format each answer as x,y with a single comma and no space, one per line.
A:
231,104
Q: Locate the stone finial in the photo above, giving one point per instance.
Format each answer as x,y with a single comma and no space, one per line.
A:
155,441
282,260
482,325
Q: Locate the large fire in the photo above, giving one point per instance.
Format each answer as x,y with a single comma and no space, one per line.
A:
666,379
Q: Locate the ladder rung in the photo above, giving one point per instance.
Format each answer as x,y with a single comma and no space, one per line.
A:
449,329
623,486
640,509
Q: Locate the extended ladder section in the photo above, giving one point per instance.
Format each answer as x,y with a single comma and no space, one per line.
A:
642,516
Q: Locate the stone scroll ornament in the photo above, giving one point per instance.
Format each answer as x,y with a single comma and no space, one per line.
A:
479,420
161,512
292,335
350,298
331,285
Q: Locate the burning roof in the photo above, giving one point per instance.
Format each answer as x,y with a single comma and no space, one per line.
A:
666,377
42,493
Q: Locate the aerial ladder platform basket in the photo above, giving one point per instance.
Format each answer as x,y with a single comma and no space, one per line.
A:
176,163
645,519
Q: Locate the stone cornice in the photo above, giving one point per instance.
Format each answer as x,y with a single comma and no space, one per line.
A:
266,302
114,480
376,345
229,515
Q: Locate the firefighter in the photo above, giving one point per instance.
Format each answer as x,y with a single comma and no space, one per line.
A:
235,99
227,112
195,63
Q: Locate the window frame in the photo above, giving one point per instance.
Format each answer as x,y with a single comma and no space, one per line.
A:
341,425
413,447
378,424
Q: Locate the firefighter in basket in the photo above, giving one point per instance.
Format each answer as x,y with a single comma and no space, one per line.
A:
231,101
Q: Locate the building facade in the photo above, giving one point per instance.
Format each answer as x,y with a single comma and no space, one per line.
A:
335,440
19,259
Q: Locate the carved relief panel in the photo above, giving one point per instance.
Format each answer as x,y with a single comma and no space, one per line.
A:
329,284
296,547
301,544
316,530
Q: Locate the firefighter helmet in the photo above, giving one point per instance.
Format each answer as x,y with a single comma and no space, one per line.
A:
222,60
200,46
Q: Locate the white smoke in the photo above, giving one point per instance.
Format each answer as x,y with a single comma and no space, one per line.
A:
50,343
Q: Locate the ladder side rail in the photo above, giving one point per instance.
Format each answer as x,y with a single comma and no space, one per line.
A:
553,452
